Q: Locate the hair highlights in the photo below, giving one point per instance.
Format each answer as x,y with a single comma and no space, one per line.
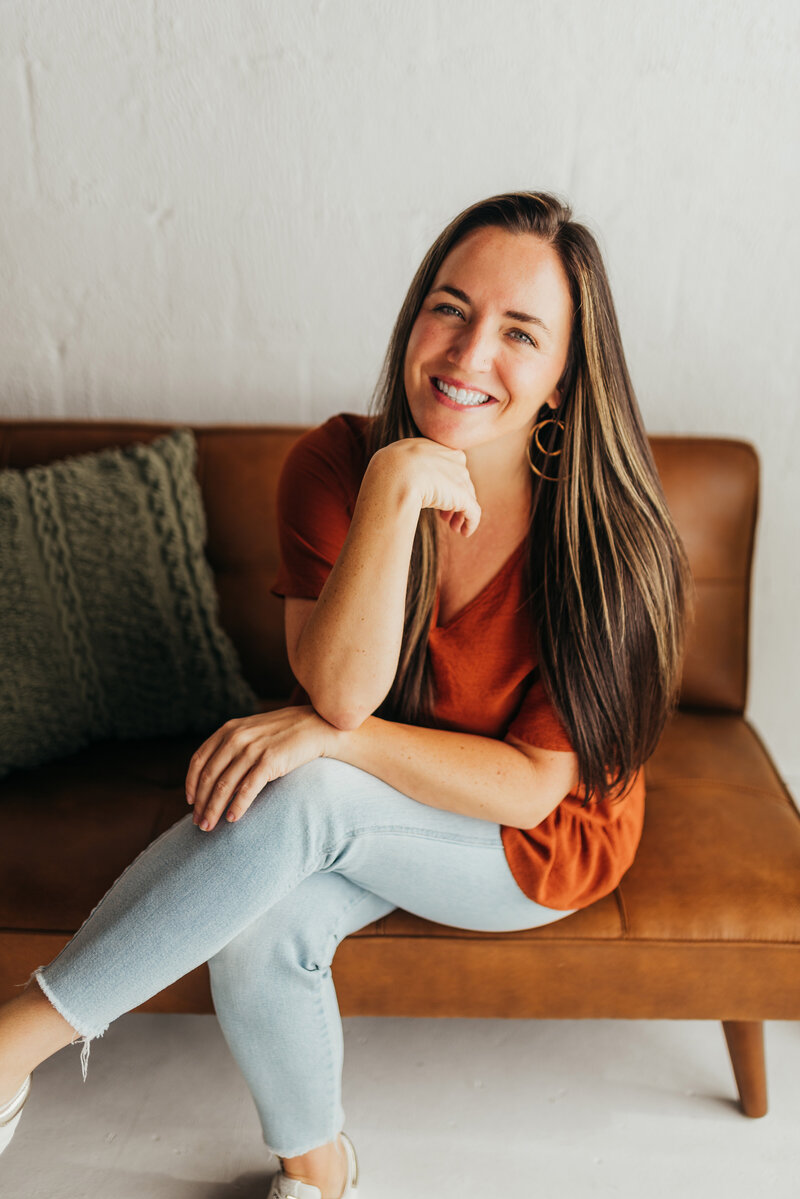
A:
607,576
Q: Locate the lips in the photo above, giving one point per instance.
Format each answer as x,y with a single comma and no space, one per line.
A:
453,394
460,385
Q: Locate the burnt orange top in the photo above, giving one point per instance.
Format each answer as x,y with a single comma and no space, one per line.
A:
484,668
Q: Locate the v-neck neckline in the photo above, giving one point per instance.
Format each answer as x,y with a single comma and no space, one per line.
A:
436,627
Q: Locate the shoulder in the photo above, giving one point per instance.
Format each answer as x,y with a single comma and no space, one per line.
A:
317,489
334,452
346,431
341,439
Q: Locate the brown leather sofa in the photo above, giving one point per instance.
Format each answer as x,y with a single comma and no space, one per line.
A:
704,926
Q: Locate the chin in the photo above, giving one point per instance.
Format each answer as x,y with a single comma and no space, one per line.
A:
434,427
449,429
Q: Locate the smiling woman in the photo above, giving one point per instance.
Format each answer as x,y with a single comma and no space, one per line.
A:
503,368
559,447
485,603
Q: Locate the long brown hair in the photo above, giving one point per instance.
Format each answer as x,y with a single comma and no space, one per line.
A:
608,583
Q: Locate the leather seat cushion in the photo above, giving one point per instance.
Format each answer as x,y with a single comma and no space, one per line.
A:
719,858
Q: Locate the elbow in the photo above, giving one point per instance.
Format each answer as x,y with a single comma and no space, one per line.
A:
336,701
344,716
538,801
333,703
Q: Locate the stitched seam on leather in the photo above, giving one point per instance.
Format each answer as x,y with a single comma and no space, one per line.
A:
562,942
700,782
382,931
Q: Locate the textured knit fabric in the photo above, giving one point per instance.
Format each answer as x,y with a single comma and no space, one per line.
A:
484,668
107,605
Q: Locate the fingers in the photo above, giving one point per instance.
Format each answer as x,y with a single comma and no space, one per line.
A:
236,786
217,796
460,520
465,521
234,765
443,478
471,523
231,788
216,772
199,759
469,513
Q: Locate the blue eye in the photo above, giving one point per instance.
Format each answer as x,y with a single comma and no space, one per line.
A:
515,334
521,333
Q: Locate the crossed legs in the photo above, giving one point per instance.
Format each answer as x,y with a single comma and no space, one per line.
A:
322,852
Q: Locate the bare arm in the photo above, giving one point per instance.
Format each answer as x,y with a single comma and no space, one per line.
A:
517,785
344,647
508,783
346,653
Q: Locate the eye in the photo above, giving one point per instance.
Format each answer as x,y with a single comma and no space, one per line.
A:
522,334
448,308
515,334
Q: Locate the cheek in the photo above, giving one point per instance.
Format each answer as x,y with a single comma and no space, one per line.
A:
415,353
426,338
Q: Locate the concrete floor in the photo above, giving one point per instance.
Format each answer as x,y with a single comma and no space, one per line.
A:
437,1109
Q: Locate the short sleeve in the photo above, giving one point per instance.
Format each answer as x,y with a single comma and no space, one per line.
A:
577,854
537,722
317,490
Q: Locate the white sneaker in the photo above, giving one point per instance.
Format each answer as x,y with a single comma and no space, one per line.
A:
10,1114
289,1188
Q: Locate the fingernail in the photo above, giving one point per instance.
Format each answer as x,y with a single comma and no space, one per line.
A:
190,799
205,825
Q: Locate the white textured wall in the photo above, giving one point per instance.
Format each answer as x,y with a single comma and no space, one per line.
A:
211,211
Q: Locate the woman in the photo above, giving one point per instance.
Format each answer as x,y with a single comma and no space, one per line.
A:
485,605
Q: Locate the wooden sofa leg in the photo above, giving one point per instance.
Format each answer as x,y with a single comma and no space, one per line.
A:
746,1046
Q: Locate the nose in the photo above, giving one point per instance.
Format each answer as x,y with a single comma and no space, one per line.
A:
471,348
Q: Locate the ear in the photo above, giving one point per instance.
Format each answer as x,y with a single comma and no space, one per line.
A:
554,401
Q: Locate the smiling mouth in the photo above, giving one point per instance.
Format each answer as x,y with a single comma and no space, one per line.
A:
467,399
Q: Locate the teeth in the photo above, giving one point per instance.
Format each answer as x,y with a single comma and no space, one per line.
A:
461,395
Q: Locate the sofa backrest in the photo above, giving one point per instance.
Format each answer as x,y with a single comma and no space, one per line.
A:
711,486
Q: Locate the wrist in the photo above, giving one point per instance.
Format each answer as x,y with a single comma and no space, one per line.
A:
384,484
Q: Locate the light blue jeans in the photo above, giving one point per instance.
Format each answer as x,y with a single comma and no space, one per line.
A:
321,852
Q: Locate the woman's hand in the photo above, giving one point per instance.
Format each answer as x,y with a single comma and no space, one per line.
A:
241,757
437,475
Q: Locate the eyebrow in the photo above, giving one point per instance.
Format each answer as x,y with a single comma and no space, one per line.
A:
525,317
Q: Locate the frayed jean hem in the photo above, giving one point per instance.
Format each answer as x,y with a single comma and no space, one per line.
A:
305,1148
80,1034
322,852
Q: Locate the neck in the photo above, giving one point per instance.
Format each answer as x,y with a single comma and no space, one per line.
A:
501,474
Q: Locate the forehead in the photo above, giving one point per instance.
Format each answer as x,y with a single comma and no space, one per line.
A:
510,270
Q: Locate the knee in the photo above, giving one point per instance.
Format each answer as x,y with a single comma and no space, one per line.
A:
285,940
317,776
315,806
316,787
289,792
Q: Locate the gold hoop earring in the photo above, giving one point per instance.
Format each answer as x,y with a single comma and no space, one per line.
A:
550,420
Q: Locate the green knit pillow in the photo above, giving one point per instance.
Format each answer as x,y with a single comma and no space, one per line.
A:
108,612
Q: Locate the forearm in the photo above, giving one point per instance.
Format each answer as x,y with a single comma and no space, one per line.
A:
458,772
347,656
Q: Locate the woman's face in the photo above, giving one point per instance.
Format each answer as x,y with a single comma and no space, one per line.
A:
490,342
